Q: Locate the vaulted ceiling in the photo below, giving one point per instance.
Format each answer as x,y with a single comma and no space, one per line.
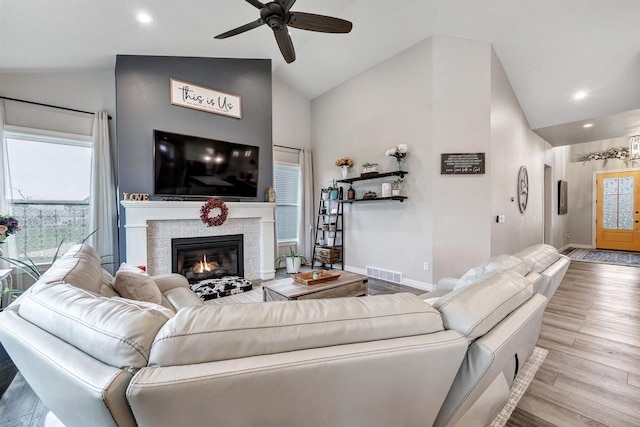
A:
549,49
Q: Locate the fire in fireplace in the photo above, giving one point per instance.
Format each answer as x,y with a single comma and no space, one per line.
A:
210,257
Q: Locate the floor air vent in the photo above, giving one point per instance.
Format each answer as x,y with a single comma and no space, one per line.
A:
388,275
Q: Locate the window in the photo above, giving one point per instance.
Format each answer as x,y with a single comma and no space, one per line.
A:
48,183
287,186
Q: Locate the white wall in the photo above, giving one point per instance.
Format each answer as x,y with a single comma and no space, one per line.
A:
580,177
291,116
291,128
386,105
461,124
443,95
86,91
90,91
513,144
558,159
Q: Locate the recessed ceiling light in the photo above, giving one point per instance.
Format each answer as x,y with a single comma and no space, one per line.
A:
580,95
587,125
144,18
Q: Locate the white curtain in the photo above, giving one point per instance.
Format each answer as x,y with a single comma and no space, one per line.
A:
5,174
9,247
104,206
306,231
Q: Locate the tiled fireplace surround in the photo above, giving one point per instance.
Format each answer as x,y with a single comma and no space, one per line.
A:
151,225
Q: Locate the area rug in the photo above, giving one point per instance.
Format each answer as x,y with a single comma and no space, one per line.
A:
520,385
605,257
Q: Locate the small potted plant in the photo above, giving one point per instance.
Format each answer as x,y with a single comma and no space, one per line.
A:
397,186
369,167
331,190
292,261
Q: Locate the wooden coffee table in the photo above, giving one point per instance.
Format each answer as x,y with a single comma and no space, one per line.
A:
347,285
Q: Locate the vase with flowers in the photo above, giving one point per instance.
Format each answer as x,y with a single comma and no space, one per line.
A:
8,225
344,164
399,152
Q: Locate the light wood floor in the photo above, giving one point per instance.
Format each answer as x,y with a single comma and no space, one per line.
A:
591,328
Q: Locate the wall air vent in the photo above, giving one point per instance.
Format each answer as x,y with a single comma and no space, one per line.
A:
382,274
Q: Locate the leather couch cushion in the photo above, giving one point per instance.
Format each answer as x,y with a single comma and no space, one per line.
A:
474,310
220,332
117,332
507,262
79,266
538,257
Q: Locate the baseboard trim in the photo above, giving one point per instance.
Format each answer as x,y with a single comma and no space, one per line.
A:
427,287
577,246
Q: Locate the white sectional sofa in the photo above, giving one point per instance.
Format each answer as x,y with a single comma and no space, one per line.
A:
95,359
540,264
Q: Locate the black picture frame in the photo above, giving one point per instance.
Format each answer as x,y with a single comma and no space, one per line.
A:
562,198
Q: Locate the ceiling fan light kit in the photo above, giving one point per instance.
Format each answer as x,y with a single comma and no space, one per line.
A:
277,16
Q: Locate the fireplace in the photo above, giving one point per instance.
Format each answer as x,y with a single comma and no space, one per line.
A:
208,257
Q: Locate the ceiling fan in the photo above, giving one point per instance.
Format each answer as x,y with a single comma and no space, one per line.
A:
277,15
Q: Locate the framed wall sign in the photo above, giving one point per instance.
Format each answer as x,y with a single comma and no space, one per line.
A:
562,197
462,163
190,95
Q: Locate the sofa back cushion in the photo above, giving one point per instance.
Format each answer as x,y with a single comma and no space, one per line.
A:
474,310
538,257
79,266
507,262
116,331
221,332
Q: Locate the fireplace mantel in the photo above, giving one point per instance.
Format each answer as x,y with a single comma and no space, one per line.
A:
139,213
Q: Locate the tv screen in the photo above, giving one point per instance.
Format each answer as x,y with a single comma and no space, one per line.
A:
194,166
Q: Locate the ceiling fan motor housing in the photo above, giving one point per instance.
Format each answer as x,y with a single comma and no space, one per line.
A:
274,15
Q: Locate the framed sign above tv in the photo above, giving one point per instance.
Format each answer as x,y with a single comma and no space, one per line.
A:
202,167
190,95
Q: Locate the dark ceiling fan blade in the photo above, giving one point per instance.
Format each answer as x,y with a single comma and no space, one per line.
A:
286,4
240,30
256,3
320,23
285,44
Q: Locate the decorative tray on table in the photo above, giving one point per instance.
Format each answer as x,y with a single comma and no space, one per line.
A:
307,278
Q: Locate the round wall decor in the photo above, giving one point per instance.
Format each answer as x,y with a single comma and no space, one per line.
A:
217,220
523,189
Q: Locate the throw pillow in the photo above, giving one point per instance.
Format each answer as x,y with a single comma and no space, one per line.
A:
136,286
470,277
431,301
129,268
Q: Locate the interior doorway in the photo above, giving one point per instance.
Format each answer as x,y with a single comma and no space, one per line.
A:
548,204
618,211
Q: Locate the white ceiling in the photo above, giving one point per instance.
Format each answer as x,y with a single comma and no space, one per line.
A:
549,48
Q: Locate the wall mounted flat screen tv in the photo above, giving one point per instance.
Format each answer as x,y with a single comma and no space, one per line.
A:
195,166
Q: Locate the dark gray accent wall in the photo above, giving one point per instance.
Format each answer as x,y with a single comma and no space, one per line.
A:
143,104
